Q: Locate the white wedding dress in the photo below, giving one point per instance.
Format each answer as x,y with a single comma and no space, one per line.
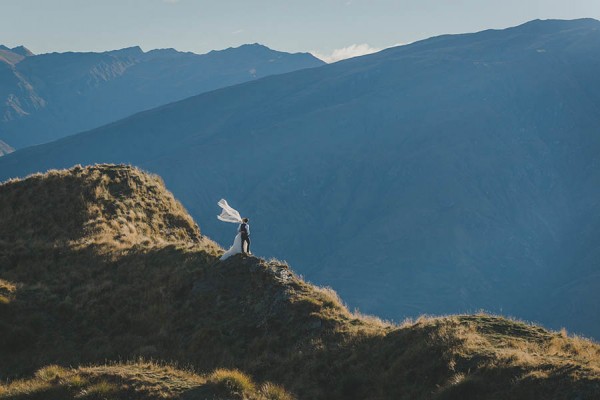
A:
228,214
235,248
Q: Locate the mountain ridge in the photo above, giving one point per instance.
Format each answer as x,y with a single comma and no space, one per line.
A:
460,164
140,380
75,91
15,55
80,302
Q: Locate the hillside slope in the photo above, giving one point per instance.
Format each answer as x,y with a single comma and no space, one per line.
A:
140,380
464,168
81,289
48,96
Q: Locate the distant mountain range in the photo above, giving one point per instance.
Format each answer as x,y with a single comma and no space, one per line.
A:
49,96
457,173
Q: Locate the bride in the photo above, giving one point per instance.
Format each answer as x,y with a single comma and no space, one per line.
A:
229,214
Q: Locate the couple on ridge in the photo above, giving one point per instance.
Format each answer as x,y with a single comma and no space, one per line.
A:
241,243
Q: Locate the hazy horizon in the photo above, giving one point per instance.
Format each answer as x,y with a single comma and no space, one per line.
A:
330,30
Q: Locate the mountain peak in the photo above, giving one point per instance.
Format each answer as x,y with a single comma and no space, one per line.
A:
114,205
134,51
556,25
258,50
166,53
248,47
256,45
15,55
23,51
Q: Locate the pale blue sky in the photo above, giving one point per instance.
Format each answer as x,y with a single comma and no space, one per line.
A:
305,25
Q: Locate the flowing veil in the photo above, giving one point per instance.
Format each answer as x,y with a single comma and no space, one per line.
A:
229,214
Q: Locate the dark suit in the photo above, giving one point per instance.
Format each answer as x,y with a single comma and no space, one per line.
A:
245,231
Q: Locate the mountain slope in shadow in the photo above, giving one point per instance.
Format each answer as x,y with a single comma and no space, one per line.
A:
106,266
464,168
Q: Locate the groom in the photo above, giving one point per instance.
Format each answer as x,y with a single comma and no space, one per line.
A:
245,231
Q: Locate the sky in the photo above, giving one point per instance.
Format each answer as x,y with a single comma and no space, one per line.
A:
330,29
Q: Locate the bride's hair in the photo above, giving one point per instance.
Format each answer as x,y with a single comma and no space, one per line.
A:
245,219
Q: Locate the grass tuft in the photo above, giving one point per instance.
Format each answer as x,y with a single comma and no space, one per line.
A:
100,390
270,391
75,381
51,373
233,381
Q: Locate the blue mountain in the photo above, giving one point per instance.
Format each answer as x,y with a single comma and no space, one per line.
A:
454,174
49,96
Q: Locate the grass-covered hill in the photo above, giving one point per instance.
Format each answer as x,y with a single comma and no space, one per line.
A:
465,165
114,206
139,380
100,266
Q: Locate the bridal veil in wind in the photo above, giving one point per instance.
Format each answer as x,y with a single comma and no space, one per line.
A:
229,214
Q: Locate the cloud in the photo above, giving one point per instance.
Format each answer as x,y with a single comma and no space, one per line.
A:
171,1
237,32
354,50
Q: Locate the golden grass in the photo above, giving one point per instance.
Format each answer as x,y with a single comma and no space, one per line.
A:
114,258
104,205
270,391
139,380
50,373
233,381
516,344
7,292
7,287
100,389
75,381
23,387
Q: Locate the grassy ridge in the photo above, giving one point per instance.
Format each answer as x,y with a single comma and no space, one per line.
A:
139,380
117,206
112,288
